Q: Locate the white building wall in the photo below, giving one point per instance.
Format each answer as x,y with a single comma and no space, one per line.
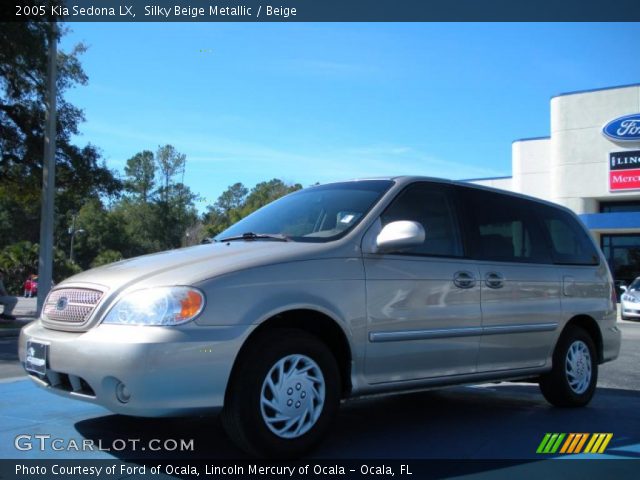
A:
571,167
579,151
532,167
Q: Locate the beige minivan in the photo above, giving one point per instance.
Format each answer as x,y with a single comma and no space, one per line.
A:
331,292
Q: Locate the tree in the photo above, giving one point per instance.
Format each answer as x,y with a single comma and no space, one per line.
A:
234,203
170,164
141,172
103,230
264,193
105,257
155,219
218,216
79,172
232,198
21,259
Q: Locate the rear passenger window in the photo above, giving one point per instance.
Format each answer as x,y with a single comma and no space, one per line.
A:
431,206
503,228
570,244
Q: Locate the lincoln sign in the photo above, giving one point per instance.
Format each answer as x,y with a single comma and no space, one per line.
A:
624,170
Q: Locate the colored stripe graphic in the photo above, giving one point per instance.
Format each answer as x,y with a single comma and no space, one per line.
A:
567,444
550,443
543,443
598,442
574,443
580,444
605,443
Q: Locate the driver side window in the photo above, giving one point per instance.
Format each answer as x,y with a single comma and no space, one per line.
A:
432,206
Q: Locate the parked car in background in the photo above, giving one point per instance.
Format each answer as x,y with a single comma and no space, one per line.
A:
630,300
336,291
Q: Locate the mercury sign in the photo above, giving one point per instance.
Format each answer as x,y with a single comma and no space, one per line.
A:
623,129
624,171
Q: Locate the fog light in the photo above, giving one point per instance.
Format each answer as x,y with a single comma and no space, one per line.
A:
122,393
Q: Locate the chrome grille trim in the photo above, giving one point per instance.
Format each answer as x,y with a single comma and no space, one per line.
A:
71,305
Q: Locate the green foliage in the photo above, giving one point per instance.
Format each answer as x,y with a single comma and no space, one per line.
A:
151,210
20,259
145,220
237,202
79,172
103,230
141,172
105,257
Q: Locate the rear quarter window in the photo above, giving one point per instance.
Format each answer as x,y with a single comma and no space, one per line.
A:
570,243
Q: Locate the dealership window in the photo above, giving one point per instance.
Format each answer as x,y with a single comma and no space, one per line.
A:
618,207
622,252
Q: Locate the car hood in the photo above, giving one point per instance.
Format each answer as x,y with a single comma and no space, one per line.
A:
188,266
635,294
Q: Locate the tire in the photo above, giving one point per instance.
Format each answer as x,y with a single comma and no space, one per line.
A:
254,406
575,352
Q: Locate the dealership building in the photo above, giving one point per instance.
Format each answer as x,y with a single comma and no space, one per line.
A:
590,163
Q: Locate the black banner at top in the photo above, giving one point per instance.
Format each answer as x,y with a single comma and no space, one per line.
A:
320,10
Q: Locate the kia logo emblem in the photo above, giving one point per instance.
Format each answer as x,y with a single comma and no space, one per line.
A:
62,303
623,129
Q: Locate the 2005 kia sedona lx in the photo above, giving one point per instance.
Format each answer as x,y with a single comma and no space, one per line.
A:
334,291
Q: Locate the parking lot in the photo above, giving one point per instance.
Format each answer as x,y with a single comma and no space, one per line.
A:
491,421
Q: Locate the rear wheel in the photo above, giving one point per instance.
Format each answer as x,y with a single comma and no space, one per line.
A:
283,394
573,377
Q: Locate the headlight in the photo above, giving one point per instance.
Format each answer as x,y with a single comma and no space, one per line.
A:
157,306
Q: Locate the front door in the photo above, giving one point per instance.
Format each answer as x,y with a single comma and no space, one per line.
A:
423,304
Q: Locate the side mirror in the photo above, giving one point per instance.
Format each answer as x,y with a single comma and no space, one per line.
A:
623,288
400,235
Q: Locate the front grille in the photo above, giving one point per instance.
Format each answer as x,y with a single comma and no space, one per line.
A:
66,382
71,305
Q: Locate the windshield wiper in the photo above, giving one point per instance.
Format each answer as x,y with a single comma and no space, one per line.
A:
257,236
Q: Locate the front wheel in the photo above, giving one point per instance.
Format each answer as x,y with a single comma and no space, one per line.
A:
574,374
283,394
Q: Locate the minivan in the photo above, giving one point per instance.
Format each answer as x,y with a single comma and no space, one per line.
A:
335,291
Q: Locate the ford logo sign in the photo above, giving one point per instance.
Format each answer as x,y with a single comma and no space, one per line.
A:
623,129
62,303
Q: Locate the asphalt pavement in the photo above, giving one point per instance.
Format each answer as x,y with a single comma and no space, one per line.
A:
490,421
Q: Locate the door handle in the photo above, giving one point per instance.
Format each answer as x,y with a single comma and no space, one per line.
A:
494,280
464,279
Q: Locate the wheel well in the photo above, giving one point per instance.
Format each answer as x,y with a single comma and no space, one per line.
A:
588,324
317,324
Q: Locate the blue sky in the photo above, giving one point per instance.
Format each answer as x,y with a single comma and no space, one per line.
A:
321,102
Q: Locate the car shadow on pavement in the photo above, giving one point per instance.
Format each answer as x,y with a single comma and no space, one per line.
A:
488,422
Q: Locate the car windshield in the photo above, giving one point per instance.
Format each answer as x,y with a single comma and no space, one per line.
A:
316,214
635,285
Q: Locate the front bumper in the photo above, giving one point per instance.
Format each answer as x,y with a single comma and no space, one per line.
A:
167,370
630,309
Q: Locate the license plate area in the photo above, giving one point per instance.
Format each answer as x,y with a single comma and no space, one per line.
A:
36,358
